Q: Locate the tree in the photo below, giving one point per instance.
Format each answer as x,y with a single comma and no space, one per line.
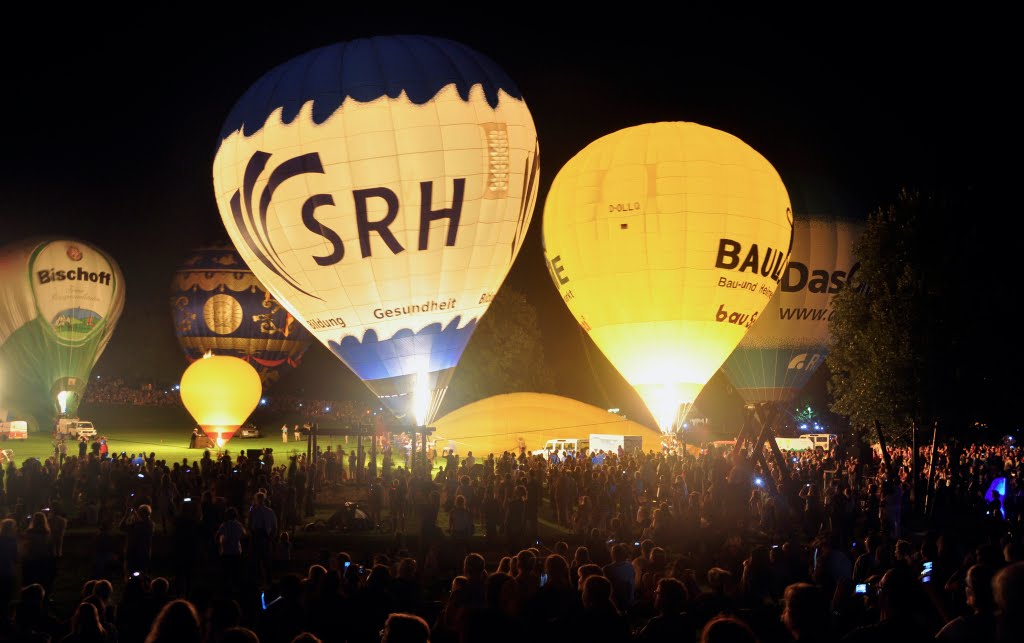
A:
895,339
505,354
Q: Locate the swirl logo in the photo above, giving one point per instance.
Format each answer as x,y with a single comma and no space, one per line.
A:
246,218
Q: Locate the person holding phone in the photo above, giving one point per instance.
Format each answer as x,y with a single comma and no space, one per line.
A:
557,597
138,527
898,595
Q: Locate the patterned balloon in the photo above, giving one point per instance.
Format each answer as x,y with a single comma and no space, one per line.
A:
218,305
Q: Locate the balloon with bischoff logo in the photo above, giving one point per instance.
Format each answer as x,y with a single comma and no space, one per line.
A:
381,189
62,299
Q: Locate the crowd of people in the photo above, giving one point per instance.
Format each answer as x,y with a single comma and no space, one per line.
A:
344,410
623,547
116,391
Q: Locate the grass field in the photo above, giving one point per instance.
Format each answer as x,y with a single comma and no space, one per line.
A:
168,444
166,432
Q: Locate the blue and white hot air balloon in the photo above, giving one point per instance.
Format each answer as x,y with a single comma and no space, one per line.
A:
381,189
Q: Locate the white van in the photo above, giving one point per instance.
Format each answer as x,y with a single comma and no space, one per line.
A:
815,441
14,430
562,445
610,443
73,427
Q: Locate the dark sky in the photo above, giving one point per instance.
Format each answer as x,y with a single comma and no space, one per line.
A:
110,126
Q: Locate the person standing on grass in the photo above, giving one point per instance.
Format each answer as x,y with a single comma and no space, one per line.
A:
138,547
37,561
284,433
263,527
9,558
229,543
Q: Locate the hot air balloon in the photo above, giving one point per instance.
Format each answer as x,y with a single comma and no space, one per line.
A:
511,421
220,392
381,189
61,300
777,357
666,241
218,305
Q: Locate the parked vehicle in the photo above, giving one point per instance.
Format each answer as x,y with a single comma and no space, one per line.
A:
249,431
824,441
14,430
611,443
563,445
722,444
811,441
76,428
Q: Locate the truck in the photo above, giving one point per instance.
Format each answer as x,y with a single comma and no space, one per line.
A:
563,445
610,443
75,428
14,430
823,441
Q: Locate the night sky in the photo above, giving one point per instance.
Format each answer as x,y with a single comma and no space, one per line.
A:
110,132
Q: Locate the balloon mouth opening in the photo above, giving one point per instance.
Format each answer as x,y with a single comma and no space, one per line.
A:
62,401
421,398
667,409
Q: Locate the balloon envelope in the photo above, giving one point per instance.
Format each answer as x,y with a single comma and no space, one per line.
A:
381,189
666,241
220,392
218,305
777,357
61,300
507,422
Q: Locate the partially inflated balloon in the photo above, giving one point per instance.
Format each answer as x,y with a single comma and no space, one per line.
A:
381,189
61,300
220,392
666,241
218,305
789,342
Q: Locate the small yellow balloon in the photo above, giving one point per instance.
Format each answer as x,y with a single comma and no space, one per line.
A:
666,241
220,392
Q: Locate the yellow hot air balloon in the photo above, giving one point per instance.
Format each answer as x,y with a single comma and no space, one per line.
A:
666,241
512,420
220,392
